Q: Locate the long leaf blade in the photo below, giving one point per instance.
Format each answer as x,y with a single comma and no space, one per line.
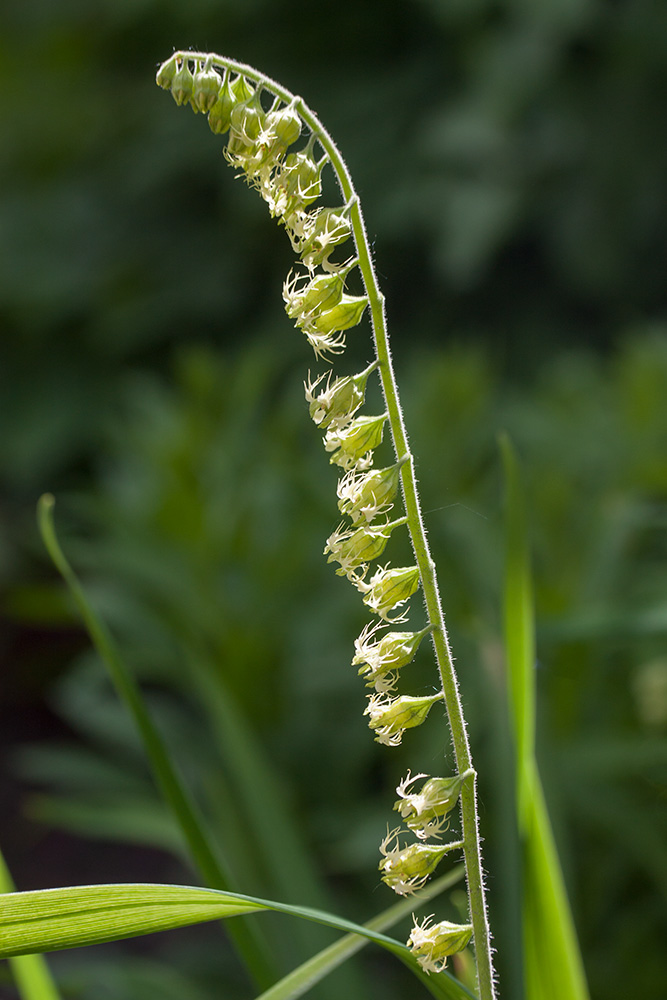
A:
552,960
53,919
31,973
74,916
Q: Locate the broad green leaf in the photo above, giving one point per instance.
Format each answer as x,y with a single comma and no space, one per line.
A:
552,961
53,919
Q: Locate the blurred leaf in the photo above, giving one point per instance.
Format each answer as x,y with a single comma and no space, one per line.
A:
30,972
553,966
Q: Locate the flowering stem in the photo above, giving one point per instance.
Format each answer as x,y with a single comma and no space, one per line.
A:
468,799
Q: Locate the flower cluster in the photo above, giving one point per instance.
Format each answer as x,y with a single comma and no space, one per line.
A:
261,129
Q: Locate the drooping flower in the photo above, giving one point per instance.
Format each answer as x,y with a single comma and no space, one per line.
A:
432,944
390,717
335,404
363,496
389,589
206,87
231,93
354,548
326,229
379,660
351,446
425,812
406,869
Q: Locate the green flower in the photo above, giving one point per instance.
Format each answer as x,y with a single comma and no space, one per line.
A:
390,717
425,811
406,869
362,496
390,588
352,445
432,944
379,660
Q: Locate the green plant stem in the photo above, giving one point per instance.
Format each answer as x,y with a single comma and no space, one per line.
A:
249,945
468,798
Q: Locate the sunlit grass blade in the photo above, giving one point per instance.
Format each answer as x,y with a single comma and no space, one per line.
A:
552,961
302,979
74,916
30,972
248,941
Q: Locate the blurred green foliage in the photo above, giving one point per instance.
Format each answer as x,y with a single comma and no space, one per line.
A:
514,174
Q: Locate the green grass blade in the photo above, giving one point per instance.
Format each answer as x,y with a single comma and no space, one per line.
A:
31,973
519,628
552,961
71,917
249,943
75,916
302,979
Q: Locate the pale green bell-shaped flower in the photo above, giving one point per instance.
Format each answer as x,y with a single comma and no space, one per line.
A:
390,717
432,944
379,660
406,869
351,445
389,589
425,812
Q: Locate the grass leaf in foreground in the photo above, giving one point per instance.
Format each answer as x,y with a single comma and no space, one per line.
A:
74,916
552,961
31,973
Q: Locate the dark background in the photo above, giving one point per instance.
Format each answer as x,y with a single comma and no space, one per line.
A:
512,163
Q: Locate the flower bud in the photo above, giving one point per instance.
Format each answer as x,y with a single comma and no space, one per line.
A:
182,84
406,869
424,812
282,128
388,589
166,73
351,444
432,944
390,717
206,87
380,660
363,496
230,94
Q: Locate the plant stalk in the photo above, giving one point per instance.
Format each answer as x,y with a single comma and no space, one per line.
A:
444,658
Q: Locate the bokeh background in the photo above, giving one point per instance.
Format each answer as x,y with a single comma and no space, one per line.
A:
512,161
